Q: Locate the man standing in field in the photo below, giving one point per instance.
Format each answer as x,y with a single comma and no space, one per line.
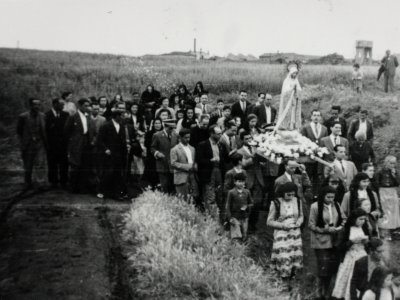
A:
241,108
32,135
390,63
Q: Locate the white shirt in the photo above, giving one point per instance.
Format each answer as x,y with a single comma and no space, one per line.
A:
243,105
289,176
316,128
335,138
134,120
116,125
362,194
84,121
363,127
268,114
188,153
330,212
56,114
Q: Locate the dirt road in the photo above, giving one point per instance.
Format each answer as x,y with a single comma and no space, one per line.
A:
55,245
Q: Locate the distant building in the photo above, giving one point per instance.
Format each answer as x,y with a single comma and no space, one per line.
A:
364,52
283,58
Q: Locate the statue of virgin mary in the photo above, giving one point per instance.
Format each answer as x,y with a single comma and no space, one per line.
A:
290,105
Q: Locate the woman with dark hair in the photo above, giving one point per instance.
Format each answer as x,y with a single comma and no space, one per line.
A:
380,286
150,175
285,217
388,181
198,89
150,97
251,125
326,221
371,222
189,120
334,181
369,169
354,238
359,189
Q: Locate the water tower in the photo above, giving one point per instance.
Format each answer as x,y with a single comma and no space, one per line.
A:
364,52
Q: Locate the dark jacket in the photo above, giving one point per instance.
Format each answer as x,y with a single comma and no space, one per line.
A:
235,201
24,126
238,112
385,178
161,143
147,97
203,156
361,153
56,138
198,135
260,112
355,125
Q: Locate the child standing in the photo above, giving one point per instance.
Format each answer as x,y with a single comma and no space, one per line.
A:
357,78
238,205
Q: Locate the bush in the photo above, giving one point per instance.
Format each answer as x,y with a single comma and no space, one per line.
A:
183,254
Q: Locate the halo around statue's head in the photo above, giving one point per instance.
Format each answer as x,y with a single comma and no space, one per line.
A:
294,66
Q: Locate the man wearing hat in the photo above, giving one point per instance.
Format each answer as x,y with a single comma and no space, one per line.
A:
161,145
114,143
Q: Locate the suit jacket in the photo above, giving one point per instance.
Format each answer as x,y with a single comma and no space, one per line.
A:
301,181
361,153
348,175
238,112
327,142
109,139
24,129
203,156
55,131
95,127
229,182
260,112
208,109
252,167
309,133
78,142
359,279
180,165
390,65
226,148
198,135
328,124
161,143
355,125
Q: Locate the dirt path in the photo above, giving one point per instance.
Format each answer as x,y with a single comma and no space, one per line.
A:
56,245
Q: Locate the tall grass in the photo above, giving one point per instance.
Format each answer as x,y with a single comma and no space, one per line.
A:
181,254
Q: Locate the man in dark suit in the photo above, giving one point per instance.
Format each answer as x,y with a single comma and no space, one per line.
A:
200,133
241,108
114,143
335,117
266,114
332,140
77,132
364,265
219,113
208,157
57,154
362,124
260,101
161,145
33,142
315,132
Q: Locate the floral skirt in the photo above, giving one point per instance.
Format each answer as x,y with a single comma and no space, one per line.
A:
345,273
391,210
287,253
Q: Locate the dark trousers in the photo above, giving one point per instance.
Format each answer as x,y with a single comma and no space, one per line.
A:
258,198
34,159
166,182
388,83
58,166
79,175
112,182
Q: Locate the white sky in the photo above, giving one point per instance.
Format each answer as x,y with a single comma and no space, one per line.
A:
137,27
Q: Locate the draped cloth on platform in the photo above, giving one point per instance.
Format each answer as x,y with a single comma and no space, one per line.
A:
292,120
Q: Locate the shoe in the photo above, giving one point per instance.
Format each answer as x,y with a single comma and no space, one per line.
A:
100,196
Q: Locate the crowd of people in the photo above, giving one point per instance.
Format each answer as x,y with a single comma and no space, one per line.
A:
202,150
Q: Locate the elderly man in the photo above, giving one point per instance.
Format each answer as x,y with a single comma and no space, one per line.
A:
389,63
361,151
266,114
33,141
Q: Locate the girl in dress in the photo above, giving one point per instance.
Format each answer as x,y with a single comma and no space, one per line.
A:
285,217
388,181
360,189
353,242
326,221
380,286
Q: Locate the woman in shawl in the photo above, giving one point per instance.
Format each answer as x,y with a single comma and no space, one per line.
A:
290,90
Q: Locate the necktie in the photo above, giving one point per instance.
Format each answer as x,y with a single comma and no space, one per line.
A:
341,163
250,149
204,109
337,141
317,130
244,106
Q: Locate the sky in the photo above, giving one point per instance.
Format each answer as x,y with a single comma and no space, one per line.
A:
138,27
